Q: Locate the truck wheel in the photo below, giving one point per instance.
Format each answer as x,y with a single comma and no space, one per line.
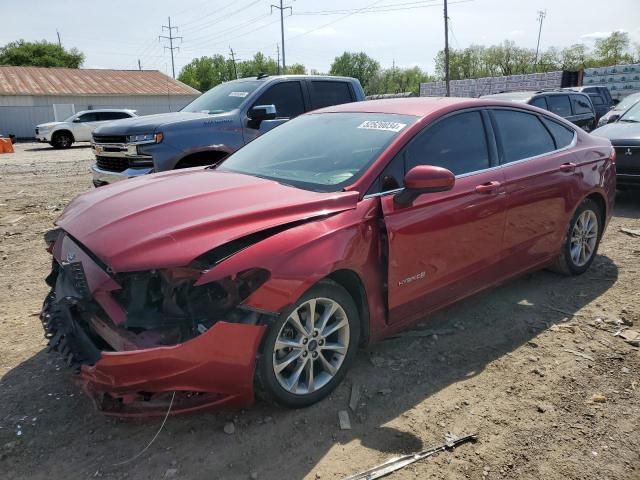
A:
61,140
309,348
582,239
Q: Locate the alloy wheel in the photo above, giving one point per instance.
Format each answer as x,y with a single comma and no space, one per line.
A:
311,346
584,238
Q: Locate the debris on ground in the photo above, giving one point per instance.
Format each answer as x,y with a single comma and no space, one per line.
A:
632,337
598,398
397,463
629,231
343,420
354,400
579,354
229,428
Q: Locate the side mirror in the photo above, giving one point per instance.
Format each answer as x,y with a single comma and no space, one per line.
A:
76,120
260,113
616,101
424,179
613,118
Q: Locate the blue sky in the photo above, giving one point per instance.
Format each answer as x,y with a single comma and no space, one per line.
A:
115,33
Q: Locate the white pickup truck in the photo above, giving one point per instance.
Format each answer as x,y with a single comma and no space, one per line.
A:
78,127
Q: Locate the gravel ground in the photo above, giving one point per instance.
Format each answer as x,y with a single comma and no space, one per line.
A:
532,366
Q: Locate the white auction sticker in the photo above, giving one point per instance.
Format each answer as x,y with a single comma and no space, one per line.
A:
239,94
386,126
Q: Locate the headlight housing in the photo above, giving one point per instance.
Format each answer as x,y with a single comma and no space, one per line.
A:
145,138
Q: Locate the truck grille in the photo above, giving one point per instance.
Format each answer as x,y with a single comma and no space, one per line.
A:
112,164
109,138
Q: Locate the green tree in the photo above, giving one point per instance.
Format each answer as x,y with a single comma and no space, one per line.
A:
296,69
398,80
205,73
357,65
39,54
613,49
257,65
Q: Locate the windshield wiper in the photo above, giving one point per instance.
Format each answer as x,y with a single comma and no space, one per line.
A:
628,120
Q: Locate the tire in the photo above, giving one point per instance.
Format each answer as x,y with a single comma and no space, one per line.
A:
309,356
62,140
587,218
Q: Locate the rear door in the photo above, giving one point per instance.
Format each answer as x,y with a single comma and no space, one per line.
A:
289,100
539,172
445,245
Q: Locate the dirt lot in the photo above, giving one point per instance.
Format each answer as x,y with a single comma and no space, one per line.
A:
520,365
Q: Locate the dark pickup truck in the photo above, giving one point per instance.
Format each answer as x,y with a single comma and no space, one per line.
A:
212,126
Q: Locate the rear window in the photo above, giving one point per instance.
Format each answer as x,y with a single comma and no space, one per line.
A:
327,93
559,104
562,135
597,99
103,116
522,135
581,105
539,102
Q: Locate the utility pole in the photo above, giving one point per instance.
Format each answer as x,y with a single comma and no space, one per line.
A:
282,9
233,59
278,50
541,15
171,38
139,65
446,48
59,41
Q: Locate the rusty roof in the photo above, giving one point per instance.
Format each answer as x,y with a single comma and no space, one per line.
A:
73,81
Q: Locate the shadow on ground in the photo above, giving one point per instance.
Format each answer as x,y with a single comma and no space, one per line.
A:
51,149
61,432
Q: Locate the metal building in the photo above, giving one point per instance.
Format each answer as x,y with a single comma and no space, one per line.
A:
33,95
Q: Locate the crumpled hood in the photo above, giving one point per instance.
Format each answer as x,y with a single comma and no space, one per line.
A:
169,219
151,123
619,132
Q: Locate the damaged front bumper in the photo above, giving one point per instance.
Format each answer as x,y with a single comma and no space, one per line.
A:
137,374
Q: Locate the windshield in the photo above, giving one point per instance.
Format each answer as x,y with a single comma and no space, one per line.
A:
627,102
631,115
223,98
319,152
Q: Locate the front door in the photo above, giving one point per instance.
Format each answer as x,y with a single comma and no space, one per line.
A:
289,102
446,245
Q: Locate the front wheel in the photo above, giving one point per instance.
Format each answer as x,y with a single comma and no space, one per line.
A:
308,350
581,242
61,140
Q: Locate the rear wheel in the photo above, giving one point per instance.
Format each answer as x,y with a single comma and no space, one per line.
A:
308,350
581,242
62,140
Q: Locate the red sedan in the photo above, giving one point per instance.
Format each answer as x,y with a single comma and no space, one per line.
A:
263,275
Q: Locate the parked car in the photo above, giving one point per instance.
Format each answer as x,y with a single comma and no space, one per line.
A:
213,125
600,97
78,127
616,112
575,107
625,137
339,228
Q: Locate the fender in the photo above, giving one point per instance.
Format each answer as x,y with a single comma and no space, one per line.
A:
300,257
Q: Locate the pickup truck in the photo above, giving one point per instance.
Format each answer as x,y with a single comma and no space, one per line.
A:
214,125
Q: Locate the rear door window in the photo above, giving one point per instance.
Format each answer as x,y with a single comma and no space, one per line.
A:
539,102
597,99
562,135
327,93
286,96
522,135
560,105
104,116
581,105
88,117
457,143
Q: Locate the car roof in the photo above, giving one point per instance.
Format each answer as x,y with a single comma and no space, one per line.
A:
417,106
266,78
128,110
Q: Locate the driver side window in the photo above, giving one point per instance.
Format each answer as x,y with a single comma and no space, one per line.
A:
457,143
286,96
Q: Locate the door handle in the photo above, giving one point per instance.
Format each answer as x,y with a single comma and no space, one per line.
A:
568,167
489,187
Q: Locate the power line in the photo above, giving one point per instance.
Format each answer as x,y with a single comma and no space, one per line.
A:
171,38
282,9
371,9
203,21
